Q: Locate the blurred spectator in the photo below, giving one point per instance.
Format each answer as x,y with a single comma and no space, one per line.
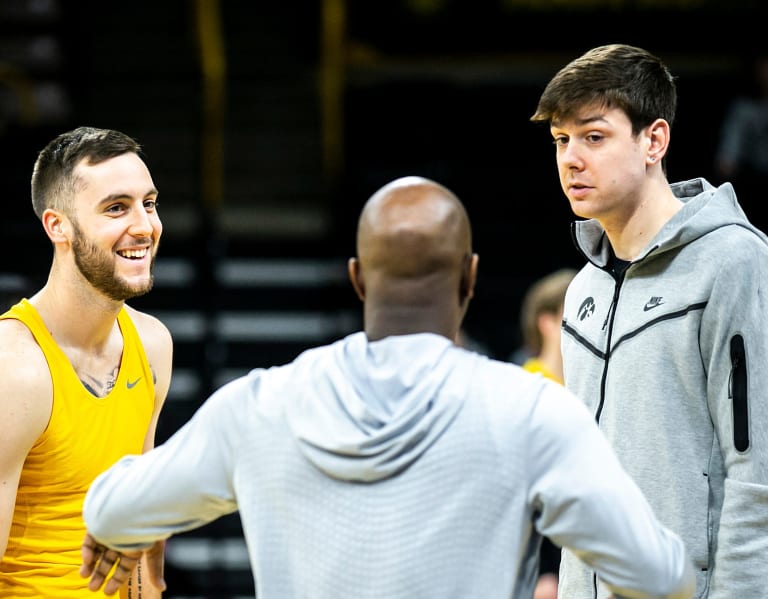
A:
742,152
541,317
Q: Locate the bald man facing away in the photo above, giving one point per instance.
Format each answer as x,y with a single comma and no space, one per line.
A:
392,463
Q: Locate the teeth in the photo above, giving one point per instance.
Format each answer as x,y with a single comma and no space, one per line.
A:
133,253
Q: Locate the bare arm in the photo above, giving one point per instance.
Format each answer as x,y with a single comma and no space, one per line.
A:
26,401
158,346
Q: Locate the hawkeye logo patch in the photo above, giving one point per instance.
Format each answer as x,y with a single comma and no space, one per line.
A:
587,308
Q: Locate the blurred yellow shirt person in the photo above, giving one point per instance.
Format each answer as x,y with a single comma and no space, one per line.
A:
541,317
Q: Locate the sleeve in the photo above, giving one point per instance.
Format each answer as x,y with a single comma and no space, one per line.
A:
589,505
182,484
734,341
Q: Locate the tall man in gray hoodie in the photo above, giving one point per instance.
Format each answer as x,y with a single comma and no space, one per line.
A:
664,329
393,463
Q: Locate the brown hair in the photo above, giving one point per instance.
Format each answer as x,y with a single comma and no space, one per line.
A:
53,182
613,76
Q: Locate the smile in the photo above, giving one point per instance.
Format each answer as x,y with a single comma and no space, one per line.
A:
133,254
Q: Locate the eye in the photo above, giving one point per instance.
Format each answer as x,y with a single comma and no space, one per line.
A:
150,204
115,209
594,138
560,140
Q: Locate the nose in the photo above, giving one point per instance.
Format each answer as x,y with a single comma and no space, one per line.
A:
144,223
569,156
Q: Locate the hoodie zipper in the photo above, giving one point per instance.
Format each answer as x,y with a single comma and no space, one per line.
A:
609,322
609,318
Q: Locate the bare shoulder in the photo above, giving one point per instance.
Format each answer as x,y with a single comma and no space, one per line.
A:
158,345
153,333
27,388
19,351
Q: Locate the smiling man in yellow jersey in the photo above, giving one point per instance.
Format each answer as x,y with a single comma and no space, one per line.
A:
84,375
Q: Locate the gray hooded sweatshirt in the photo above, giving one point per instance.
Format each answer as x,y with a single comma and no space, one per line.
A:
671,358
396,469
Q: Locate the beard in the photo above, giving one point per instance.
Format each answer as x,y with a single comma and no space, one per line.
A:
98,268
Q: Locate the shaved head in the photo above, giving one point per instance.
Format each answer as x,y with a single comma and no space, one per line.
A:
415,268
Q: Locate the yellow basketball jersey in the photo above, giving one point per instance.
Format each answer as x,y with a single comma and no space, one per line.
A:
85,435
535,365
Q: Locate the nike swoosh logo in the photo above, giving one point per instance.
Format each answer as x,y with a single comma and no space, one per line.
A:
130,384
651,305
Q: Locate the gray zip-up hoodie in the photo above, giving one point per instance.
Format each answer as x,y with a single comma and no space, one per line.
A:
396,469
671,358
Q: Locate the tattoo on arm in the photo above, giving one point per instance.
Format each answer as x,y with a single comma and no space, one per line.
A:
134,591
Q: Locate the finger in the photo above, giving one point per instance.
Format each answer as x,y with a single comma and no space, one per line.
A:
90,551
97,579
122,573
107,560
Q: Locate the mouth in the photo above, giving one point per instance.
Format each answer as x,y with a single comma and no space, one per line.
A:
578,189
133,254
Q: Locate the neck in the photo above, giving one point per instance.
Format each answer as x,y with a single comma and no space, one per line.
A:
384,322
75,314
552,359
629,233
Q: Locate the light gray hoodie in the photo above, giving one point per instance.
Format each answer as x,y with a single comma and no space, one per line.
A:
401,468
672,360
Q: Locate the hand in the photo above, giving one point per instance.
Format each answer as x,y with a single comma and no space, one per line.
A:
98,560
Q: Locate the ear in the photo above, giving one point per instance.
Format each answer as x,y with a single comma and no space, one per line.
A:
658,141
55,225
356,277
468,278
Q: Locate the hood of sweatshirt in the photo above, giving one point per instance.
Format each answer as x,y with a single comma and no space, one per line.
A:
368,410
705,208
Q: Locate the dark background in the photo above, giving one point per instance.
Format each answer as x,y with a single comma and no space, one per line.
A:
320,104
437,88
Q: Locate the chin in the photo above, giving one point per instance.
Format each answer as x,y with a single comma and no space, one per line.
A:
128,291
581,209
141,289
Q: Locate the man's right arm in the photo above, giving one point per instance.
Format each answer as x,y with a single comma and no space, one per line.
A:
591,506
26,397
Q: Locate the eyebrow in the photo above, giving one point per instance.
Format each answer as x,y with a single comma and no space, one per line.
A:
581,121
113,197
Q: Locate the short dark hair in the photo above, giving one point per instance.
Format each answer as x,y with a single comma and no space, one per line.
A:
53,183
614,76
